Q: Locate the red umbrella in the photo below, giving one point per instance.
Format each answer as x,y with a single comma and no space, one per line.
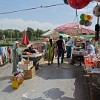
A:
25,40
74,29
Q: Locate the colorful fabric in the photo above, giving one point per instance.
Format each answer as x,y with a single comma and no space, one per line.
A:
1,62
4,55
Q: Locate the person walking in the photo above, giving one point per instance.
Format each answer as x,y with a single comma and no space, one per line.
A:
50,51
60,49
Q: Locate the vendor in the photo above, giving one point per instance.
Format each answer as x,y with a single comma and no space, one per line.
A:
90,48
83,46
30,49
79,57
16,55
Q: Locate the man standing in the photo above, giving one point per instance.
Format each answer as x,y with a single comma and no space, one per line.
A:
60,49
69,45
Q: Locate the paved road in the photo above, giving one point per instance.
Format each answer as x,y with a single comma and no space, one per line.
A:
50,83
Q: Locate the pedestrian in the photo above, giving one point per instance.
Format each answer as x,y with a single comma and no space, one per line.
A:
60,49
50,51
9,53
69,45
16,55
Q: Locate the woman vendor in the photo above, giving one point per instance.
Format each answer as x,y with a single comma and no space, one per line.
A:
16,55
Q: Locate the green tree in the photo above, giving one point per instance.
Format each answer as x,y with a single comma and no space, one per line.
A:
30,33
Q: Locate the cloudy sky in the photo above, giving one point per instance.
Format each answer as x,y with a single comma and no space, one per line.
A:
45,18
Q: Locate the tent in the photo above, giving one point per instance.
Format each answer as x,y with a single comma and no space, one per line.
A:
74,29
51,33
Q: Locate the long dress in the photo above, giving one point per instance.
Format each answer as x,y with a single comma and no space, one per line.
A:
50,52
16,58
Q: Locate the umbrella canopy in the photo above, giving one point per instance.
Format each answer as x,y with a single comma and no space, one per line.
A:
51,33
25,40
74,29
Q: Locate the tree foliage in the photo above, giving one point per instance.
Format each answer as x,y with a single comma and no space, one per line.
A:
11,34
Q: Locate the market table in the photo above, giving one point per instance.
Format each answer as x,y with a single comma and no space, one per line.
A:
33,57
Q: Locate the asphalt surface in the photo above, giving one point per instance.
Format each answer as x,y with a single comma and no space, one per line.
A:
50,83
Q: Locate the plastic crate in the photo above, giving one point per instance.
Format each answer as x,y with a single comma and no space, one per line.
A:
15,84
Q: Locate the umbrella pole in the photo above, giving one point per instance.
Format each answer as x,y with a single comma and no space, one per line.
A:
76,17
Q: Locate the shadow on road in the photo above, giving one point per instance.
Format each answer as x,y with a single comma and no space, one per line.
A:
53,72
8,89
4,78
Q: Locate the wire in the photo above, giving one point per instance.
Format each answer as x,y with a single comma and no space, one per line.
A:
48,6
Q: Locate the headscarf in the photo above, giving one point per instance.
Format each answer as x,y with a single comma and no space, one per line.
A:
14,45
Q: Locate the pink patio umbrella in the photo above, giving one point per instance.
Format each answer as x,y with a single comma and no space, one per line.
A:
25,40
74,29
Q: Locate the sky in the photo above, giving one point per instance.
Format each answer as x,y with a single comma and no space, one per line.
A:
45,18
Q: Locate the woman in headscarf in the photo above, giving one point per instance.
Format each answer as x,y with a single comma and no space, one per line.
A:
16,55
50,51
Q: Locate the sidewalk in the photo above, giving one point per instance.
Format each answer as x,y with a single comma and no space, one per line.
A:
50,83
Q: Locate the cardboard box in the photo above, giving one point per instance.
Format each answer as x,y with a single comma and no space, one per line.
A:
29,73
27,66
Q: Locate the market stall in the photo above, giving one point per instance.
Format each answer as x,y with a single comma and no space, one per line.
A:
92,67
